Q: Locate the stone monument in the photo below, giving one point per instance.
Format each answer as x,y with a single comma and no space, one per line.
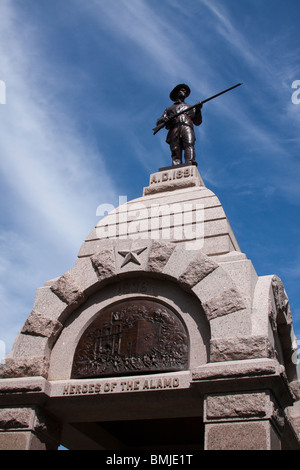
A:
162,336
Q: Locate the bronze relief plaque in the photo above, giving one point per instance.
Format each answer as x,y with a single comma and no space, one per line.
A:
132,337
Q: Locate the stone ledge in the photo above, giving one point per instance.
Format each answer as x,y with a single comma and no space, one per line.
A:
24,385
236,369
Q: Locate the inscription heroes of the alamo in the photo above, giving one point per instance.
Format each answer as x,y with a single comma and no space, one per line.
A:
161,336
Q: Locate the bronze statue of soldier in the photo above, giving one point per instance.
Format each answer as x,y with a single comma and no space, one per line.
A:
181,136
180,119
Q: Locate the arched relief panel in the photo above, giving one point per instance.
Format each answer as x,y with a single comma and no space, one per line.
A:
136,310
132,337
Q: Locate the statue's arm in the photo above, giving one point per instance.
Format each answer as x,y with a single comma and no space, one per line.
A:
197,118
164,118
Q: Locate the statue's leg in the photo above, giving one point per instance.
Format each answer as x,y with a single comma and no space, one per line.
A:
188,143
176,154
189,154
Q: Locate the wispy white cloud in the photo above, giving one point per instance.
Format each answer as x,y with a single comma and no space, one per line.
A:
49,167
44,159
162,42
272,120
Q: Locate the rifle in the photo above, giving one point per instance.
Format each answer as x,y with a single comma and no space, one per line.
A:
197,105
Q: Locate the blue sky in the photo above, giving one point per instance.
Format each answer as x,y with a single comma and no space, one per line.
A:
85,83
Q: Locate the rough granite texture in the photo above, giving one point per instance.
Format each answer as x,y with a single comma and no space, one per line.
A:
40,325
240,347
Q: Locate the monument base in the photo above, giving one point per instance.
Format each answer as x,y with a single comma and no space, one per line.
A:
174,177
172,167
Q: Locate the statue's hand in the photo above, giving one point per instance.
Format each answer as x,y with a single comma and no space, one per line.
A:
168,121
162,120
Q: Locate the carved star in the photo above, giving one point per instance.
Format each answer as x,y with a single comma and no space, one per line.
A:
131,256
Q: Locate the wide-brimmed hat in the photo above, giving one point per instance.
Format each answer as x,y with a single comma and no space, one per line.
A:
173,94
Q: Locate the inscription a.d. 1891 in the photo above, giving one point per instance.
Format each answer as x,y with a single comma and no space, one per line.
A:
132,337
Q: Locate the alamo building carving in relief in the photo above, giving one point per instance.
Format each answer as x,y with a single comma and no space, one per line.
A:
131,337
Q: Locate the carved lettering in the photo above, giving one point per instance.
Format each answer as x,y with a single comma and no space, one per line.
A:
160,383
171,175
131,287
